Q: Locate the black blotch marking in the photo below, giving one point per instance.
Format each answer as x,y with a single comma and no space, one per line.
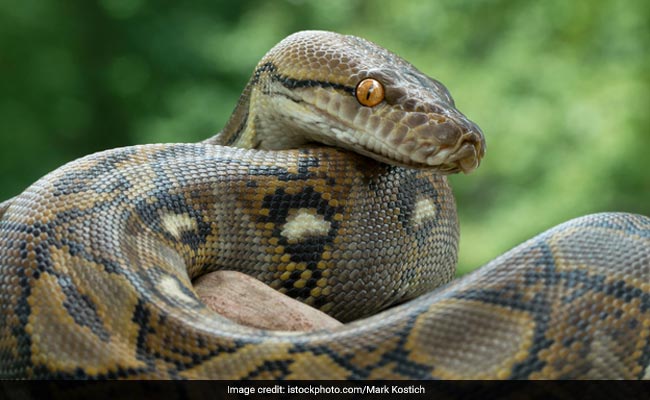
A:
194,358
21,354
77,181
305,162
167,203
409,191
343,361
176,151
272,367
644,360
578,281
141,317
399,356
539,307
82,309
310,249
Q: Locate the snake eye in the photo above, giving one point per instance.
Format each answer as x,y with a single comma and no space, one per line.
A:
369,92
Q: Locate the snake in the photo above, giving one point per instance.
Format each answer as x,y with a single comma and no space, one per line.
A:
329,183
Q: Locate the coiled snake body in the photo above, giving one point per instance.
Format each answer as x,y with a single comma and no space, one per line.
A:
97,258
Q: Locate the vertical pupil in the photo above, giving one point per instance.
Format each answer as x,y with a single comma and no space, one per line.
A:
369,92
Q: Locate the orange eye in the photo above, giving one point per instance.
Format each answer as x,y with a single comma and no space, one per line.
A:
370,92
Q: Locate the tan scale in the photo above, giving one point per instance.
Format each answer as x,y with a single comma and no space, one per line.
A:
334,192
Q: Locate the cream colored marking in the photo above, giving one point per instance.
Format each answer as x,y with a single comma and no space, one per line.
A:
605,359
499,339
304,224
425,209
176,224
170,286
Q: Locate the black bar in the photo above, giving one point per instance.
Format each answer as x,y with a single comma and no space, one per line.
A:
484,390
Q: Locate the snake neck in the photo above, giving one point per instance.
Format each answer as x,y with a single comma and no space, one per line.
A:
255,123
240,130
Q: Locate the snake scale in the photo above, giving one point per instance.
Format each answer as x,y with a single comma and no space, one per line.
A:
329,184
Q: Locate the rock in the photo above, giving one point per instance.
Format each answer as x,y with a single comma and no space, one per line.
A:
247,301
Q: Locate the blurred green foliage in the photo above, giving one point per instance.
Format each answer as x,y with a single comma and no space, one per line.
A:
561,89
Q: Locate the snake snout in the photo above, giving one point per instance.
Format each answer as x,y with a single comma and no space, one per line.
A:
448,144
470,152
470,148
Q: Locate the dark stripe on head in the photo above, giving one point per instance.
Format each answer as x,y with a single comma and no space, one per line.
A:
291,83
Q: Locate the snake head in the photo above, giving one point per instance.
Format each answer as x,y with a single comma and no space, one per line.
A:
345,91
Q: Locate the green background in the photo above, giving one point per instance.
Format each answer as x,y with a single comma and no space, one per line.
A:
560,88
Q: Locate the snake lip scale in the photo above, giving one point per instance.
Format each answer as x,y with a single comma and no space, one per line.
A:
328,183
